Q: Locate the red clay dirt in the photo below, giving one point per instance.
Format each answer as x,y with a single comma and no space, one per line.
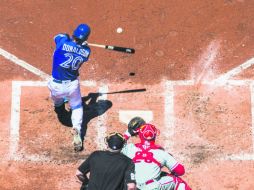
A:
193,42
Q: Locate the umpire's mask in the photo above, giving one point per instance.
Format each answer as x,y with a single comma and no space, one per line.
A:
115,141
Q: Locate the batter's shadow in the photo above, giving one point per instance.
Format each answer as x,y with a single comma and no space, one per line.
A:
92,107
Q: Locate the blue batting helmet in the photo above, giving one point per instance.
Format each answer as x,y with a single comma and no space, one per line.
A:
82,32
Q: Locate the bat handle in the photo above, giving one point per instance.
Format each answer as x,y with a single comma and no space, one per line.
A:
97,45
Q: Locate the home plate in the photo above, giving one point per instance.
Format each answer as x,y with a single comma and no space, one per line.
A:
126,115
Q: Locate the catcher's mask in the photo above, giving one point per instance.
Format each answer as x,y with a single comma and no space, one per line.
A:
115,141
148,132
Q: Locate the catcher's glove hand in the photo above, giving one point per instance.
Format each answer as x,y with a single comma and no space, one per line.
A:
134,124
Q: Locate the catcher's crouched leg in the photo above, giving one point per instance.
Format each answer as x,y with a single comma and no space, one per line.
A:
179,183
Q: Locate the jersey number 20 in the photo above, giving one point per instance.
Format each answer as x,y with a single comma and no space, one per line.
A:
72,62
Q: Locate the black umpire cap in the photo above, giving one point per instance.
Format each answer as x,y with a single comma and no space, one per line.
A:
115,141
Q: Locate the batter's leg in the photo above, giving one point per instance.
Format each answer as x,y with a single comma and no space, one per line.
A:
55,94
76,117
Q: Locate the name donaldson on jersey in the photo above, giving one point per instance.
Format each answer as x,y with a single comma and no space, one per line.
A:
72,49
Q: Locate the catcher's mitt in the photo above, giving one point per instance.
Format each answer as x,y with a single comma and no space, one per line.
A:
134,124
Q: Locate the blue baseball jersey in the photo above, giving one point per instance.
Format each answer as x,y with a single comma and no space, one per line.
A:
68,58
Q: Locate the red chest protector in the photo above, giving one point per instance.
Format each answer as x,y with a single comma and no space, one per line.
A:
145,155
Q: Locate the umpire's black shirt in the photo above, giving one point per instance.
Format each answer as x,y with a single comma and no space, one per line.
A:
108,170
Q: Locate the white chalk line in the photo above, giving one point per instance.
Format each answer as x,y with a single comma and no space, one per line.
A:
238,157
252,114
207,59
126,115
88,83
246,156
18,156
169,118
35,70
15,119
237,70
211,83
23,64
101,121
225,80
15,103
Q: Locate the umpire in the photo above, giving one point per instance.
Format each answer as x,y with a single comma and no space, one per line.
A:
109,169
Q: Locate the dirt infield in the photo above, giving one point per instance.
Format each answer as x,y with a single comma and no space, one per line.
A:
193,78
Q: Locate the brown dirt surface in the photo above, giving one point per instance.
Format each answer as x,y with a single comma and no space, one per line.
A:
180,46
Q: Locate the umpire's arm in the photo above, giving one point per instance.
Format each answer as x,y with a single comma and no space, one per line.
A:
83,169
130,176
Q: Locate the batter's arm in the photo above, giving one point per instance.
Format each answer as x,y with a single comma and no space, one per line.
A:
83,169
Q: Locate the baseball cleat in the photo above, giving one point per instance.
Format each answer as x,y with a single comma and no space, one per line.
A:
77,141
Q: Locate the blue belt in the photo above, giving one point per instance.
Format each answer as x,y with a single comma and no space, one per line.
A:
62,81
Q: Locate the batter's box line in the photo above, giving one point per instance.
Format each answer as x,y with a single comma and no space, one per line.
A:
238,157
242,155
15,118
169,100
19,154
169,110
14,134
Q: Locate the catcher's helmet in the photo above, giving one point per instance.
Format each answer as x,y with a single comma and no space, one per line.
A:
115,141
82,32
134,124
148,132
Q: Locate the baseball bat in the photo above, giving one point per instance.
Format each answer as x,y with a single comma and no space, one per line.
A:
114,48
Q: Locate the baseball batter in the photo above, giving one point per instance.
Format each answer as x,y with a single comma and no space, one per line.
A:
70,53
149,159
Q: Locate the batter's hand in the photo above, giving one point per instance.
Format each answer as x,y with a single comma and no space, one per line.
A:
67,106
85,43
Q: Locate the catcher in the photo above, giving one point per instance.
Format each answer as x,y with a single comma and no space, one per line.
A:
150,158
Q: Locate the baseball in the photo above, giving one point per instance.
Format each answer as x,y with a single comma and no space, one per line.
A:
119,30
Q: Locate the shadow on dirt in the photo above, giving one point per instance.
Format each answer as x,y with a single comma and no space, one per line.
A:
92,107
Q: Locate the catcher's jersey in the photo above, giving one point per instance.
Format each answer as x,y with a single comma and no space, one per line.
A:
68,57
148,164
